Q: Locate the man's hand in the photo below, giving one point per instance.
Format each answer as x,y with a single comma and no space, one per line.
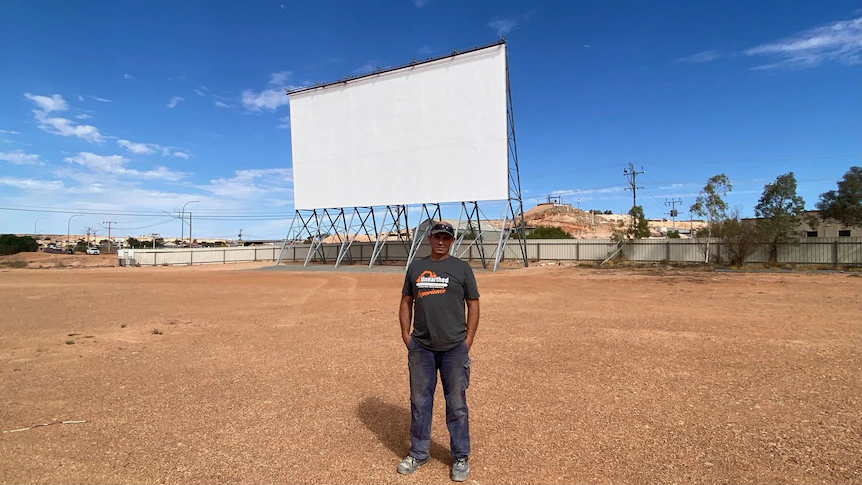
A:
469,342
405,316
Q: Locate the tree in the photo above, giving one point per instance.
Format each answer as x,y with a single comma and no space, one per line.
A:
710,204
738,239
133,243
548,233
608,212
12,244
639,227
778,212
845,204
673,234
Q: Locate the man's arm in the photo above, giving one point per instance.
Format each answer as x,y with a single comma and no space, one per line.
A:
472,321
405,315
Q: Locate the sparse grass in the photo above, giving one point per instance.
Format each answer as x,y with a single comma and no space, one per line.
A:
173,321
122,325
156,331
70,342
15,263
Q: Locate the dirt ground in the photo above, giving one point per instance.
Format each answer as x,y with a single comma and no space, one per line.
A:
226,374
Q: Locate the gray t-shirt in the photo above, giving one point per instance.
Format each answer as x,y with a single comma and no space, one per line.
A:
439,290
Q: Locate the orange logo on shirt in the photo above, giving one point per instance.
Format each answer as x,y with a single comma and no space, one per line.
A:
431,284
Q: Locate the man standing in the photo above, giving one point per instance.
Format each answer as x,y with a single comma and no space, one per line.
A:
435,291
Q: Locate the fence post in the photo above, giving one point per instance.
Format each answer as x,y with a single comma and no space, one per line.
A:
191,257
538,251
835,252
155,258
667,254
577,250
224,256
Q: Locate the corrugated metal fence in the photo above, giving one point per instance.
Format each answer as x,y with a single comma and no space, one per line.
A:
823,250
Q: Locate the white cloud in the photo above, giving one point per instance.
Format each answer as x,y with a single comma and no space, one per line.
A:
101,100
285,123
704,56
279,78
425,50
365,68
199,92
84,116
66,127
30,184
138,148
505,25
10,132
839,42
587,46
128,76
283,7
150,149
60,126
115,165
173,101
18,157
219,104
80,98
249,184
269,99
48,104
420,3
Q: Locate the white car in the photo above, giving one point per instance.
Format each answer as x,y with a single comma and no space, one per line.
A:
92,250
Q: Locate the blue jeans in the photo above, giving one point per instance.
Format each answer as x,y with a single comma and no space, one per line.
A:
454,367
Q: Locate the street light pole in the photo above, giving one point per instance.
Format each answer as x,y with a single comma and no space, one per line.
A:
69,229
183,220
34,225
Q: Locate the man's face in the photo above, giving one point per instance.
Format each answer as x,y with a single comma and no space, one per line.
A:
440,243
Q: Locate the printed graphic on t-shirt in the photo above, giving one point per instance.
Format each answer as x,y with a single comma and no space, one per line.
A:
428,283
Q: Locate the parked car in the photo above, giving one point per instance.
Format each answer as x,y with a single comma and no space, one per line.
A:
70,251
92,250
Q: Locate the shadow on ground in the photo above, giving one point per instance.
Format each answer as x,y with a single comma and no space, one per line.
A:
391,425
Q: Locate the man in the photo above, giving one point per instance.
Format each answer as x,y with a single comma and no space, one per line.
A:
435,291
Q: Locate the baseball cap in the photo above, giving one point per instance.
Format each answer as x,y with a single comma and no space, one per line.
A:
443,227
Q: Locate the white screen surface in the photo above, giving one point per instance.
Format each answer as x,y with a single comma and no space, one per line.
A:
431,133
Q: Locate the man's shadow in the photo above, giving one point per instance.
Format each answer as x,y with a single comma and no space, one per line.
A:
391,424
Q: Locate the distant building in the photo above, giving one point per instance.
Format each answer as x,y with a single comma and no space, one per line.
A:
824,228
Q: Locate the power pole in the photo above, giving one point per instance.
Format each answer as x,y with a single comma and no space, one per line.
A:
673,212
240,236
89,229
191,241
109,223
631,176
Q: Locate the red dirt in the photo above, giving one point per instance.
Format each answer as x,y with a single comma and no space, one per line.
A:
580,376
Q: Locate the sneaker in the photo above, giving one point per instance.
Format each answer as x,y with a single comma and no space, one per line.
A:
460,469
410,464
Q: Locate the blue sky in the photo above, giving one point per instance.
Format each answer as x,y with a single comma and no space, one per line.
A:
139,107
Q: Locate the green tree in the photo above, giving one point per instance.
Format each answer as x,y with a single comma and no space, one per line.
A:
548,233
738,239
710,204
12,244
778,212
608,212
673,234
845,204
639,227
133,243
